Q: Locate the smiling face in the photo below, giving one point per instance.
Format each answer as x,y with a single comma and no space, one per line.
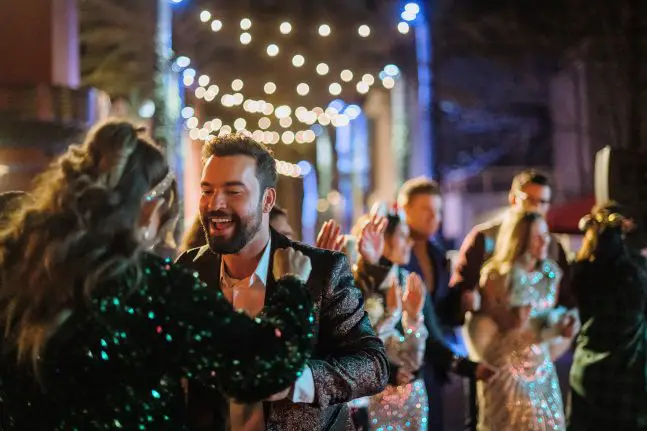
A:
233,208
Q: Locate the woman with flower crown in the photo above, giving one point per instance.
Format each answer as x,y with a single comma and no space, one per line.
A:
609,372
97,333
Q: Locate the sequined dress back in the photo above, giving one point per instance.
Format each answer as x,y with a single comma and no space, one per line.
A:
525,394
118,362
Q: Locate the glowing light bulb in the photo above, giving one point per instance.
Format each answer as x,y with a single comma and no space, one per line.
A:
346,75
287,137
303,89
388,82
285,27
362,87
334,89
192,123
269,88
245,24
403,27
237,84
205,16
285,122
272,50
203,80
368,79
264,123
324,30
364,30
323,69
298,60
245,38
216,25
240,123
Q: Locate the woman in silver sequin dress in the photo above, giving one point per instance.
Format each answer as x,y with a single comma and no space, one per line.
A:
520,332
394,303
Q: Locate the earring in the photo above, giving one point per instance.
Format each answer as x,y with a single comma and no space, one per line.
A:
145,233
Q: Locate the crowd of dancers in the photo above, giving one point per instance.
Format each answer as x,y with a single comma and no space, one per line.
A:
248,330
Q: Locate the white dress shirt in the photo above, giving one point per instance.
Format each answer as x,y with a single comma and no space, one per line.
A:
248,295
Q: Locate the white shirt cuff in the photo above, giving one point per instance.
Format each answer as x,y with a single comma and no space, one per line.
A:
304,388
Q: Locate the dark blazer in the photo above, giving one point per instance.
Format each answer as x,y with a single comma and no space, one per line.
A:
478,247
348,362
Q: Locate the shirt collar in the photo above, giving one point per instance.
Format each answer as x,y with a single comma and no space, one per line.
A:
259,275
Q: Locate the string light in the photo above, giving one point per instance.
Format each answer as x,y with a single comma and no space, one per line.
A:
346,75
388,82
368,79
237,85
240,124
285,122
403,27
272,50
245,38
205,16
245,24
322,69
287,137
187,112
203,80
362,87
285,27
324,30
216,25
264,123
192,123
334,89
303,89
269,88
364,30
282,111
298,60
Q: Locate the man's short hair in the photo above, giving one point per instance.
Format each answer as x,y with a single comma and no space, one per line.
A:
277,211
529,176
241,145
415,187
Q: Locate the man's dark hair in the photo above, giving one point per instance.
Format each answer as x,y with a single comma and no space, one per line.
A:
277,211
415,187
529,176
241,145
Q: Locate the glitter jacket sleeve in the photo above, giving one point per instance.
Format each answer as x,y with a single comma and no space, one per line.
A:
355,364
251,358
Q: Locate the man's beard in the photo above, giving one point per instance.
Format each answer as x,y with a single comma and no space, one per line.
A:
244,231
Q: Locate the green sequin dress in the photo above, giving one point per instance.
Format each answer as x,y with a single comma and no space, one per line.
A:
118,362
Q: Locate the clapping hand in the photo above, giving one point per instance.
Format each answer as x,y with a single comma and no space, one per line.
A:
330,237
414,297
371,240
288,261
394,299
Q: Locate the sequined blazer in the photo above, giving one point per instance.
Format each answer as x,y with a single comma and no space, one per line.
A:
349,360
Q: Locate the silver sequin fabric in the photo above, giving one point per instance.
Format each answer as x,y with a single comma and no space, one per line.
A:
400,408
525,394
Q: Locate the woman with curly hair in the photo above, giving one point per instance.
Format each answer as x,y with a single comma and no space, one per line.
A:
97,333
609,373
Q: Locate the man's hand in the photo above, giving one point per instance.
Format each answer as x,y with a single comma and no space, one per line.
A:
288,261
484,372
330,237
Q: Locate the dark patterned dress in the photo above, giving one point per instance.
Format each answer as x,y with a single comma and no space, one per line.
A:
118,362
609,373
